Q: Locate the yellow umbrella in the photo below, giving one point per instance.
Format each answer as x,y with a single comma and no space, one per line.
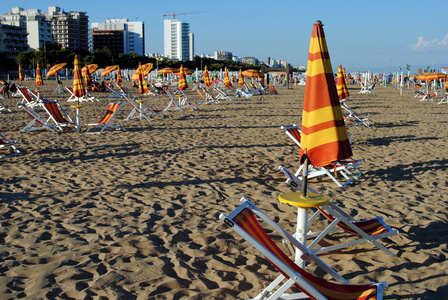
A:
20,73
91,68
146,68
207,80
182,82
166,71
142,86
108,70
54,69
38,75
251,73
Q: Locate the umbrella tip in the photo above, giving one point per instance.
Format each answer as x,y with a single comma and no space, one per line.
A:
318,22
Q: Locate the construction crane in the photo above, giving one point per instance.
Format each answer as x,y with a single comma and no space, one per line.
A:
186,13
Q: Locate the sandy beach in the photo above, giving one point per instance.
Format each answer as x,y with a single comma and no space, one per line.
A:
134,214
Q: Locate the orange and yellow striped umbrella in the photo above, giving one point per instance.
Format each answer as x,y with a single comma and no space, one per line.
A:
87,76
91,68
182,81
251,73
146,68
226,77
54,69
430,76
207,80
119,78
324,135
240,78
20,73
142,86
341,85
78,86
39,80
108,70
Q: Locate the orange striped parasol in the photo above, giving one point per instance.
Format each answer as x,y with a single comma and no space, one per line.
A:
240,78
166,71
108,70
324,135
87,76
251,73
54,69
226,77
341,85
39,80
142,86
146,68
119,78
207,80
182,81
430,76
78,86
91,67
20,73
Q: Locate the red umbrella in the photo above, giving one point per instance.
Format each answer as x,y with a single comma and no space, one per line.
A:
20,73
251,73
119,78
78,86
108,70
54,69
207,80
87,76
324,137
240,78
38,75
226,77
91,68
142,86
182,82
341,85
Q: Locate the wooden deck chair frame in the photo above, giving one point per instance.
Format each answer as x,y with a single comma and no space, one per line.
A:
139,110
73,98
37,121
104,120
371,230
344,168
244,221
5,144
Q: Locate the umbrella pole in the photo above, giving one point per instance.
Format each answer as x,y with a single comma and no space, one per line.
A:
305,177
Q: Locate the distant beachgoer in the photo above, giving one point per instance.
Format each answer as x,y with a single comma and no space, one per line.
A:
5,90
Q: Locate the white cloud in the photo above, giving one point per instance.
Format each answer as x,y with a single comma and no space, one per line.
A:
435,44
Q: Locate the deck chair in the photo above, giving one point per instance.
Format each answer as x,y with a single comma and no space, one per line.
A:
206,97
3,106
8,147
272,89
244,221
344,167
139,110
444,97
351,117
222,95
184,101
367,88
38,122
27,97
107,116
175,103
73,98
57,115
370,230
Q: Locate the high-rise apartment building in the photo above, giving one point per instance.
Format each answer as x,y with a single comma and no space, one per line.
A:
69,29
119,35
38,29
12,40
178,43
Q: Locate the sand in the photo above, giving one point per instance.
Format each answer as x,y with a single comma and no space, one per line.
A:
134,214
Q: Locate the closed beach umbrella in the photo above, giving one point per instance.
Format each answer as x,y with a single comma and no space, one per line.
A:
119,78
20,73
78,86
108,70
207,80
142,86
341,85
240,78
182,82
38,75
226,77
54,69
324,137
87,76
91,68
146,68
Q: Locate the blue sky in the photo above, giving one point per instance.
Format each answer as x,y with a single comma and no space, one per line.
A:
361,35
